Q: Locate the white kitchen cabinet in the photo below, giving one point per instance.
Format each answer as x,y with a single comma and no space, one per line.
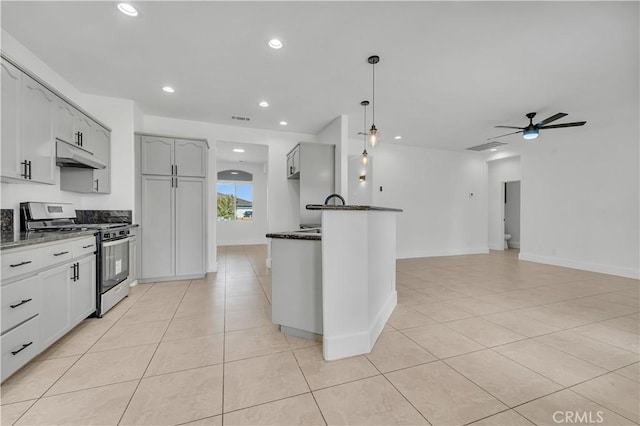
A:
190,158
175,157
28,118
84,135
158,226
157,155
96,181
293,163
47,289
190,239
37,119
55,310
66,117
82,290
312,167
173,207
11,88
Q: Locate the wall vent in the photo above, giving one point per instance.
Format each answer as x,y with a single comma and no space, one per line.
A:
487,145
240,118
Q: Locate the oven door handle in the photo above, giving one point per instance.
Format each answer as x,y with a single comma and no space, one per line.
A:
115,242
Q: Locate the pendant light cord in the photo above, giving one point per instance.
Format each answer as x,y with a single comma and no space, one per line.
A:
373,99
364,137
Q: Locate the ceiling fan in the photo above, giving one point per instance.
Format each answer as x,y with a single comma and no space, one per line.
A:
532,130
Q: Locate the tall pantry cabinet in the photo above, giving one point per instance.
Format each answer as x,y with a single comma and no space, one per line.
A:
172,204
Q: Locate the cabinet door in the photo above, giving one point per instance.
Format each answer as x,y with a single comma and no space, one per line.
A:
66,117
190,226
84,127
83,290
11,84
190,158
157,227
54,316
37,117
157,156
102,151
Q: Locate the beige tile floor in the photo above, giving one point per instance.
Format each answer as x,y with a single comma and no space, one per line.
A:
478,339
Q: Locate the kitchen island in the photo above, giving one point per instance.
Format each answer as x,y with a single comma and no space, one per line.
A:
356,265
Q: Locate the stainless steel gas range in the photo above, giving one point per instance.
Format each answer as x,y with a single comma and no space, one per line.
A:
112,241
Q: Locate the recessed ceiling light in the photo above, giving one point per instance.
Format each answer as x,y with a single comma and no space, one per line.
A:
398,138
127,9
238,150
264,104
168,89
274,43
283,123
493,149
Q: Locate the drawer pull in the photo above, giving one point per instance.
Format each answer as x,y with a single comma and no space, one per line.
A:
26,262
90,245
21,303
25,346
61,253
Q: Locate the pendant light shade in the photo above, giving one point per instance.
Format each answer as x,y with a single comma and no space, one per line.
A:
365,154
373,131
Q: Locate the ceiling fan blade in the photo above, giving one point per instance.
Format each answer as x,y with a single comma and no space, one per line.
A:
509,127
558,126
550,119
513,133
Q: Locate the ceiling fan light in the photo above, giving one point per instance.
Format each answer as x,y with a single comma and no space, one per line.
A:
530,134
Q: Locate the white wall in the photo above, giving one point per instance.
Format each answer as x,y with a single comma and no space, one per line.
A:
336,133
500,171
283,208
360,193
432,187
580,196
237,232
512,213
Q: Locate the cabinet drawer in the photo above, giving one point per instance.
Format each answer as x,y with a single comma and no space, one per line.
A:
85,246
20,301
16,263
19,346
57,253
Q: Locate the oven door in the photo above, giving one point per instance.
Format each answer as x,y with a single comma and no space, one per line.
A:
115,263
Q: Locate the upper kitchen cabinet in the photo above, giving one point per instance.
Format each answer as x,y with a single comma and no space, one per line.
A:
293,163
190,158
28,111
37,124
85,180
173,157
11,87
74,127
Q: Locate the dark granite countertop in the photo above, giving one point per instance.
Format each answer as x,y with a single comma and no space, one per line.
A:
354,208
311,234
30,238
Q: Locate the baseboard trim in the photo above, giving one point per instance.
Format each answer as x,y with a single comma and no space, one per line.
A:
180,278
585,266
251,242
213,268
444,252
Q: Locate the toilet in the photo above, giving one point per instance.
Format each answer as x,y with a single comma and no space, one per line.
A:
507,237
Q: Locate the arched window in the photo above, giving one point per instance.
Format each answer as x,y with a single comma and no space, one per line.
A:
235,195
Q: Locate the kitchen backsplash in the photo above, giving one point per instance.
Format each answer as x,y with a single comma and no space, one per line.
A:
103,216
6,215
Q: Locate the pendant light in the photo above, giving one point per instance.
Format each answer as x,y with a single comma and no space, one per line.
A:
373,132
365,154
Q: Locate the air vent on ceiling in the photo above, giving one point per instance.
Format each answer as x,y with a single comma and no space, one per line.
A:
240,118
487,145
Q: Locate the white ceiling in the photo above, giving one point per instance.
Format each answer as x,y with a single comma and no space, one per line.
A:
448,72
253,153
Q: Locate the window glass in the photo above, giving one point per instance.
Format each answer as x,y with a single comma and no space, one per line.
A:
235,201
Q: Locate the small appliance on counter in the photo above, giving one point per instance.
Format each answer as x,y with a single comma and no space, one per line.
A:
112,241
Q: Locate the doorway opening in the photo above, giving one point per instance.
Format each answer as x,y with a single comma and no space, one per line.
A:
241,193
511,193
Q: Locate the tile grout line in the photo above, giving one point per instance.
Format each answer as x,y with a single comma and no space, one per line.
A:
293,352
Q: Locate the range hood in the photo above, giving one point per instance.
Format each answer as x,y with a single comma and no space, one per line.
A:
70,156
